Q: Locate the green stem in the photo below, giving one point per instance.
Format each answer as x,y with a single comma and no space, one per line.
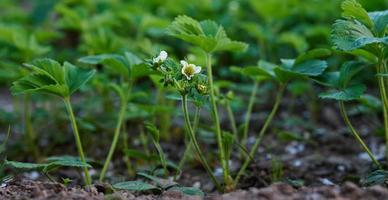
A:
195,143
69,109
384,99
231,118
126,158
123,109
248,113
190,143
224,162
261,134
30,135
355,133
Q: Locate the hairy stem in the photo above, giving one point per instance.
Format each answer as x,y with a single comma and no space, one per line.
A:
261,134
355,133
231,118
189,145
195,143
69,109
384,99
123,109
221,150
248,113
126,158
30,134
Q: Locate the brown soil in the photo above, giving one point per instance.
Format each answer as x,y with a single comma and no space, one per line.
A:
25,189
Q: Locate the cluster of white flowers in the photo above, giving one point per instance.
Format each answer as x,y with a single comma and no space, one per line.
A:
188,69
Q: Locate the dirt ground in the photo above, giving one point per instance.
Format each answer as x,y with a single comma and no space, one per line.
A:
25,189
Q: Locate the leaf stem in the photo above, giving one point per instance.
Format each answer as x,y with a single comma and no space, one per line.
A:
355,133
123,109
196,145
383,94
261,134
190,142
248,113
69,109
30,134
224,162
231,118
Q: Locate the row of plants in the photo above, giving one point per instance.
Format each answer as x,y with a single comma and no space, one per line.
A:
188,79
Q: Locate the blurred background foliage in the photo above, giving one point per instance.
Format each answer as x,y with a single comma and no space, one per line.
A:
71,29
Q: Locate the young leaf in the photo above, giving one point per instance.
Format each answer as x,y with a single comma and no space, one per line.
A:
26,166
162,183
48,76
189,191
353,10
207,35
376,178
134,186
380,21
347,94
76,78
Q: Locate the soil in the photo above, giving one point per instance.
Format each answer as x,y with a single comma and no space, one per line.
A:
26,189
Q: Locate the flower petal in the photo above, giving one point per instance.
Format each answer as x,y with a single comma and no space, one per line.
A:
163,55
197,69
184,63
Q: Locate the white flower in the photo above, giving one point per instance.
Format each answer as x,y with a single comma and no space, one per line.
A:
161,58
189,70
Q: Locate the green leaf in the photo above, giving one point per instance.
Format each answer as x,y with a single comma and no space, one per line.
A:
290,69
380,20
162,183
313,54
347,94
207,35
329,79
351,34
153,131
189,191
134,186
48,67
98,59
353,10
377,177
348,71
48,76
75,77
25,165
115,64
67,161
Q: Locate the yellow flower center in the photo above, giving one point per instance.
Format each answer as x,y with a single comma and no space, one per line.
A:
189,70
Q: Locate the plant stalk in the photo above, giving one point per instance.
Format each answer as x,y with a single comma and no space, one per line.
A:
190,142
231,119
355,133
195,143
123,109
384,99
219,135
261,134
248,113
69,108
30,134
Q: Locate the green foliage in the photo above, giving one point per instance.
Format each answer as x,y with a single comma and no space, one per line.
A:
359,29
344,90
345,94
134,186
207,35
51,164
48,76
377,177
